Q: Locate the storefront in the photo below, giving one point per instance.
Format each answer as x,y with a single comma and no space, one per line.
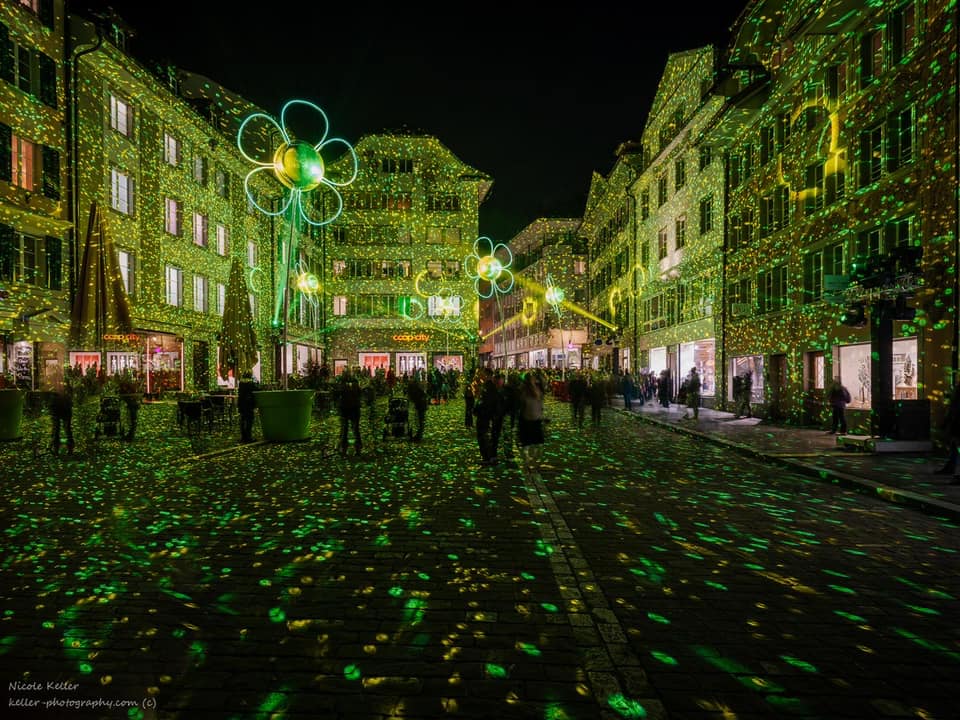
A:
445,362
163,363
747,363
701,355
852,364
409,362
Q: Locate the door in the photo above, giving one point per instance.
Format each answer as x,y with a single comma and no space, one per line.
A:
778,385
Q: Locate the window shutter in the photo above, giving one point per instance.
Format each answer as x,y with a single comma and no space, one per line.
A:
54,252
48,80
6,54
6,252
46,13
6,153
51,173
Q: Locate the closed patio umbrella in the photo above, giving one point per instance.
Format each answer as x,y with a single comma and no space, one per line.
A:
100,306
238,340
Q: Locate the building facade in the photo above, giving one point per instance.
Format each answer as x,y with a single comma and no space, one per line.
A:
396,294
35,260
548,253
680,199
840,258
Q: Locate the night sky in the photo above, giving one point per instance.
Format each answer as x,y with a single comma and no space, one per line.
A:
538,103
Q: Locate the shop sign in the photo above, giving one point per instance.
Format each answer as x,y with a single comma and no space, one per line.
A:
129,337
408,337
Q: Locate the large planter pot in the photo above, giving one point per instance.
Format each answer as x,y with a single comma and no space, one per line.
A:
284,414
11,413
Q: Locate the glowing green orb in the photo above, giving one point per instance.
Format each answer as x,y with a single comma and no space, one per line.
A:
298,166
554,295
489,268
308,283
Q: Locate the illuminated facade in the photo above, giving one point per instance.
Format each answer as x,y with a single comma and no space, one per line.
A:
159,157
842,166
679,198
34,219
395,291
609,230
548,251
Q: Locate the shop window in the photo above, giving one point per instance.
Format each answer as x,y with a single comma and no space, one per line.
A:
814,370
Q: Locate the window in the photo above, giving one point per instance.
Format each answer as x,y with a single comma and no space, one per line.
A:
741,229
29,259
171,149
200,293
200,169
127,262
819,267
903,31
396,165
34,5
24,163
772,289
767,147
681,231
900,143
871,155
121,192
871,57
443,235
223,246
251,253
813,195
24,69
661,189
706,156
774,210
451,269
783,131
837,81
679,173
579,266
815,365
644,204
661,243
443,201
199,229
434,269
340,305
222,183
221,297
121,119
172,216
706,214
174,285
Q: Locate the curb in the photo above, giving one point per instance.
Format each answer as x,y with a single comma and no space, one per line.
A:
907,498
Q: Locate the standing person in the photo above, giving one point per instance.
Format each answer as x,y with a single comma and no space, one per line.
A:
417,395
131,395
530,434
746,395
664,388
694,385
627,388
468,403
598,397
950,427
246,406
737,393
61,412
578,397
839,396
349,407
487,409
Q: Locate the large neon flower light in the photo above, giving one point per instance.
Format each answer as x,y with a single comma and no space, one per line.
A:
299,167
489,263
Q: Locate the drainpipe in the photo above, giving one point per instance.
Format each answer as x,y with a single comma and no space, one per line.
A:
634,359
72,149
722,339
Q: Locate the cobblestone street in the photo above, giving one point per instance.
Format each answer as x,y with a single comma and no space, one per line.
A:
642,573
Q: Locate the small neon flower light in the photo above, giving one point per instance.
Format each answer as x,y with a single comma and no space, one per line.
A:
296,164
554,295
491,263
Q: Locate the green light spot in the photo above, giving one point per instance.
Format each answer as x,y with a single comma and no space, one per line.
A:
658,618
527,576
715,585
923,610
351,672
850,616
395,591
453,556
529,649
664,658
277,615
495,671
626,707
841,589
549,607
543,549
798,663
273,703
423,576
86,668
382,540
265,583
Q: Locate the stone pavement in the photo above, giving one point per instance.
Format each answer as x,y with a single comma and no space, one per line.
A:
905,478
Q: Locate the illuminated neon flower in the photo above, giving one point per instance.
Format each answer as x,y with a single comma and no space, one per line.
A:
554,294
489,263
296,164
